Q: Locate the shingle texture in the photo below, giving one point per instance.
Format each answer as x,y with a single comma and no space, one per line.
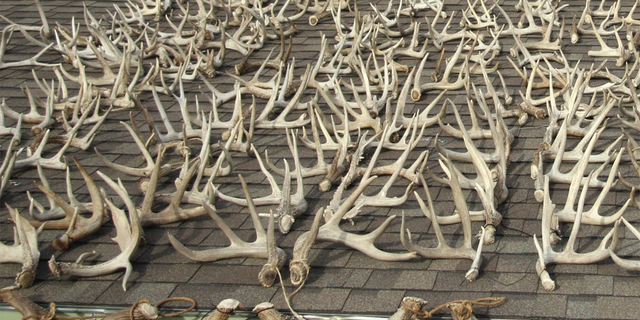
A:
341,280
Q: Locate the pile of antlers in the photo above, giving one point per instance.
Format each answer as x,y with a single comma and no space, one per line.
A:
361,116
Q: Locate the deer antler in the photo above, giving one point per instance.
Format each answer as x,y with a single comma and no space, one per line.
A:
259,248
24,249
138,172
330,231
286,213
35,158
381,199
555,175
320,168
172,212
129,234
7,32
274,198
77,226
443,250
546,254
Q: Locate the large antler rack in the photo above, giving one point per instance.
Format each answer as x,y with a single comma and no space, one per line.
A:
128,237
547,255
489,183
558,176
392,170
262,247
500,135
173,211
330,231
275,197
442,250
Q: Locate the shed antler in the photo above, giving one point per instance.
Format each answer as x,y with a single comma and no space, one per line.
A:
546,253
129,234
443,250
260,248
24,249
77,225
330,231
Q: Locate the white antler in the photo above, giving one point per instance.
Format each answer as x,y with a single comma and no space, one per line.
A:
238,248
24,249
129,234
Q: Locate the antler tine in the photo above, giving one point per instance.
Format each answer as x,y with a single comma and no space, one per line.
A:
7,166
626,264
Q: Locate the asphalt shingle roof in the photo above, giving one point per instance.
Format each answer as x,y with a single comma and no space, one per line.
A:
341,280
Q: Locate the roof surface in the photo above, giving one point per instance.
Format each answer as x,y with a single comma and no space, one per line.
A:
341,280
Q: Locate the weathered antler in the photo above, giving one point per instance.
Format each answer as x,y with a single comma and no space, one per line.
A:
546,253
259,248
24,249
128,237
443,250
